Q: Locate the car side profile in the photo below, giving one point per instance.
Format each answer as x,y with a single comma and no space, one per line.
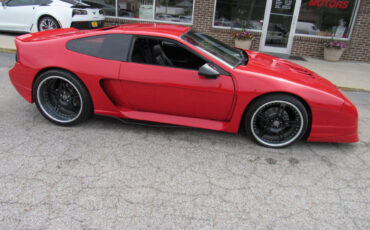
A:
171,74
40,15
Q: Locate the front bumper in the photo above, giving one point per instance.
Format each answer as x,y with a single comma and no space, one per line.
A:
345,129
85,25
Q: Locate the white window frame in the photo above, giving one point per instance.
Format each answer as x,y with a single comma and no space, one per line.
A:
268,48
153,20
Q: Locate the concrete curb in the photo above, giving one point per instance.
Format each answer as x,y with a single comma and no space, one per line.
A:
353,89
5,50
345,88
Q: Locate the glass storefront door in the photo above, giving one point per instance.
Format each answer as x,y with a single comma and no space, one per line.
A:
279,25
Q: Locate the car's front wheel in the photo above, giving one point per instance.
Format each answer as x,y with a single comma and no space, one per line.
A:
48,23
62,98
276,120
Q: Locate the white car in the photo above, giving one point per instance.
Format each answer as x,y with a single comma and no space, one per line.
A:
40,15
306,28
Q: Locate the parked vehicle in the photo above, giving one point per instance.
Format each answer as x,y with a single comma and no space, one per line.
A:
126,13
108,9
186,18
170,74
307,28
40,15
223,22
167,17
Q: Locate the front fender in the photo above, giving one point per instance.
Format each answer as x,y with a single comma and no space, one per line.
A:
334,117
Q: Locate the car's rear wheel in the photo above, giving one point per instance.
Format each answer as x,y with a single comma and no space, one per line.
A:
62,98
48,23
276,120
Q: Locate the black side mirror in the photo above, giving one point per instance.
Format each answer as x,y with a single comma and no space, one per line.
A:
208,71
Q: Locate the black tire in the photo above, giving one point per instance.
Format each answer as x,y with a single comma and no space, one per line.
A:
47,23
276,120
62,98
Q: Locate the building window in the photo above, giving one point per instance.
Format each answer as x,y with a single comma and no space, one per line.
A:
175,11
329,18
247,14
108,6
140,9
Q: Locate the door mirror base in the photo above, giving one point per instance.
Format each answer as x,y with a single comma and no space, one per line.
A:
208,72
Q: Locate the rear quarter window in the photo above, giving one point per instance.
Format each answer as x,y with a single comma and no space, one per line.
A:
111,46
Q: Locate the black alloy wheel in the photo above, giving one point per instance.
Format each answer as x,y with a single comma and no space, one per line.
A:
62,98
276,120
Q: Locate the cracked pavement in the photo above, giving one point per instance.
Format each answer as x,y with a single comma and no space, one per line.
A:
104,174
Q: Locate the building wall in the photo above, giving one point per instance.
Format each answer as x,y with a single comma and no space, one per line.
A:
358,47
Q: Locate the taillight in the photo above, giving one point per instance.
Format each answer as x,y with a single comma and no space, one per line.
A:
79,12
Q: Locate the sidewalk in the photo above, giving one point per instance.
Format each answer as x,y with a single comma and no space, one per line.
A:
344,74
7,42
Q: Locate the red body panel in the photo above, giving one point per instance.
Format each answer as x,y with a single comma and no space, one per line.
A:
175,91
179,96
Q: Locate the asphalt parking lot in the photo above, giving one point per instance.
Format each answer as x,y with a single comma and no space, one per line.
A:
104,174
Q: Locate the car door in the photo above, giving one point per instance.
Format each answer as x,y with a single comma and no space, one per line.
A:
156,86
17,15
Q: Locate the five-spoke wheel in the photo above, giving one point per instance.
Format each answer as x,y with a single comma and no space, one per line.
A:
276,120
62,98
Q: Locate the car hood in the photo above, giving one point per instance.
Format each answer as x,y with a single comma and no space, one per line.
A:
266,65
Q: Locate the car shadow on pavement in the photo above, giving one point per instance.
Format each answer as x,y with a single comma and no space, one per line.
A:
197,135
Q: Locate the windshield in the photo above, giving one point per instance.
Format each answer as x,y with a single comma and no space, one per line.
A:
215,47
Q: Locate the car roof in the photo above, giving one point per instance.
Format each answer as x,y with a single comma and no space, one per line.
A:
176,30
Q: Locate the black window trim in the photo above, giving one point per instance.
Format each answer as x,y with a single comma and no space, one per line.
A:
129,59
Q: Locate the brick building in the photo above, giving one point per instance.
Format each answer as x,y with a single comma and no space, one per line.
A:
296,27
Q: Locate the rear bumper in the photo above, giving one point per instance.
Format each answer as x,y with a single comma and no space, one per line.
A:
85,25
21,79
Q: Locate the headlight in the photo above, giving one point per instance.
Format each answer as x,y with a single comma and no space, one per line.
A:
79,12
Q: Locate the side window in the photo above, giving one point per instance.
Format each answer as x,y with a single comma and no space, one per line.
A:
165,53
20,2
111,46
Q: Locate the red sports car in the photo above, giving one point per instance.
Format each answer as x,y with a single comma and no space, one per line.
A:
171,74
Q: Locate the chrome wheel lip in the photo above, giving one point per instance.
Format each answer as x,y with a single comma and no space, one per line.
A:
45,111
277,144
